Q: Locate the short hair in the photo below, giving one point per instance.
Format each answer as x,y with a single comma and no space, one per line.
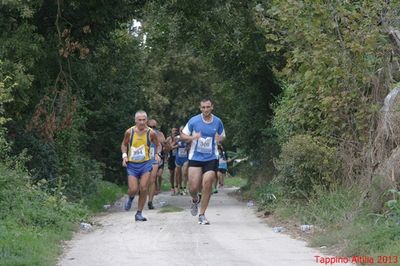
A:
152,121
140,112
206,99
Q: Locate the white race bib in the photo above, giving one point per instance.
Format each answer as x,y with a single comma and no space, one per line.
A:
182,152
152,152
138,154
204,145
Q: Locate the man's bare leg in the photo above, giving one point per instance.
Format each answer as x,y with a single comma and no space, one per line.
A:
159,179
133,186
194,187
172,180
144,185
178,178
152,185
208,180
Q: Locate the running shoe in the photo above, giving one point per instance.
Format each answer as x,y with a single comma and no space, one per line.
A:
194,207
139,217
128,203
203,220
150,205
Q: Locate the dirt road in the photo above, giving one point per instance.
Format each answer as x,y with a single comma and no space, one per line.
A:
235,237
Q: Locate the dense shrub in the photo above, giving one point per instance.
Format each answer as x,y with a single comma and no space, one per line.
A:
304,163
33,221
29,204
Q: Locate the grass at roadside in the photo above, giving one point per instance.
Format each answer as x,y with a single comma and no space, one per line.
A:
234,181
106,193
33,222
342,220
30,245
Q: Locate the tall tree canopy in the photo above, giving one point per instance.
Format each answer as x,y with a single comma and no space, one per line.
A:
72,74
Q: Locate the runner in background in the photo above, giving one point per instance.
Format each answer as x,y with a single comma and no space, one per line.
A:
135,149
222,168
155,155
181,162
171,147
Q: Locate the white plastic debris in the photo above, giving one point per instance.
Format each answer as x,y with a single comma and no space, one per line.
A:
86,227
305,227
278,229
250,203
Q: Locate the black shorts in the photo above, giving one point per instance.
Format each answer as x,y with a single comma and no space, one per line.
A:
171,163
205,166
161,164
222,170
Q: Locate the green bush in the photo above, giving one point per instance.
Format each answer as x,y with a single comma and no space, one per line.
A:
106,193
43,158
77,172
30,205
33,221
306,163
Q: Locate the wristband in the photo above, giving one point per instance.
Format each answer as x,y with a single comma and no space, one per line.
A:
124,155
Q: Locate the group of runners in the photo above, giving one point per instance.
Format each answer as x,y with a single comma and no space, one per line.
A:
196,160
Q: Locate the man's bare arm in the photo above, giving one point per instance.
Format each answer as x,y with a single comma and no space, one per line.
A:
154,138
125,141
124,147
188,138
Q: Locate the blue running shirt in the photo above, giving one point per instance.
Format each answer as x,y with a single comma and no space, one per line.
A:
182,150
205,148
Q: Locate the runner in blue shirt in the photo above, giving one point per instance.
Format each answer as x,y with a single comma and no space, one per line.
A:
205,131
181,162
155,155
222,168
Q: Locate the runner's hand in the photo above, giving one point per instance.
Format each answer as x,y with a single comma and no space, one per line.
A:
219,138
196,135
124,161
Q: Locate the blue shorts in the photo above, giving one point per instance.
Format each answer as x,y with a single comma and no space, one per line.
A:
179,161
223,166
138,169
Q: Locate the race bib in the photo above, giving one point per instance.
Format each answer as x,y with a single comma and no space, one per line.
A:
182,152
138,154
152,152
204,145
